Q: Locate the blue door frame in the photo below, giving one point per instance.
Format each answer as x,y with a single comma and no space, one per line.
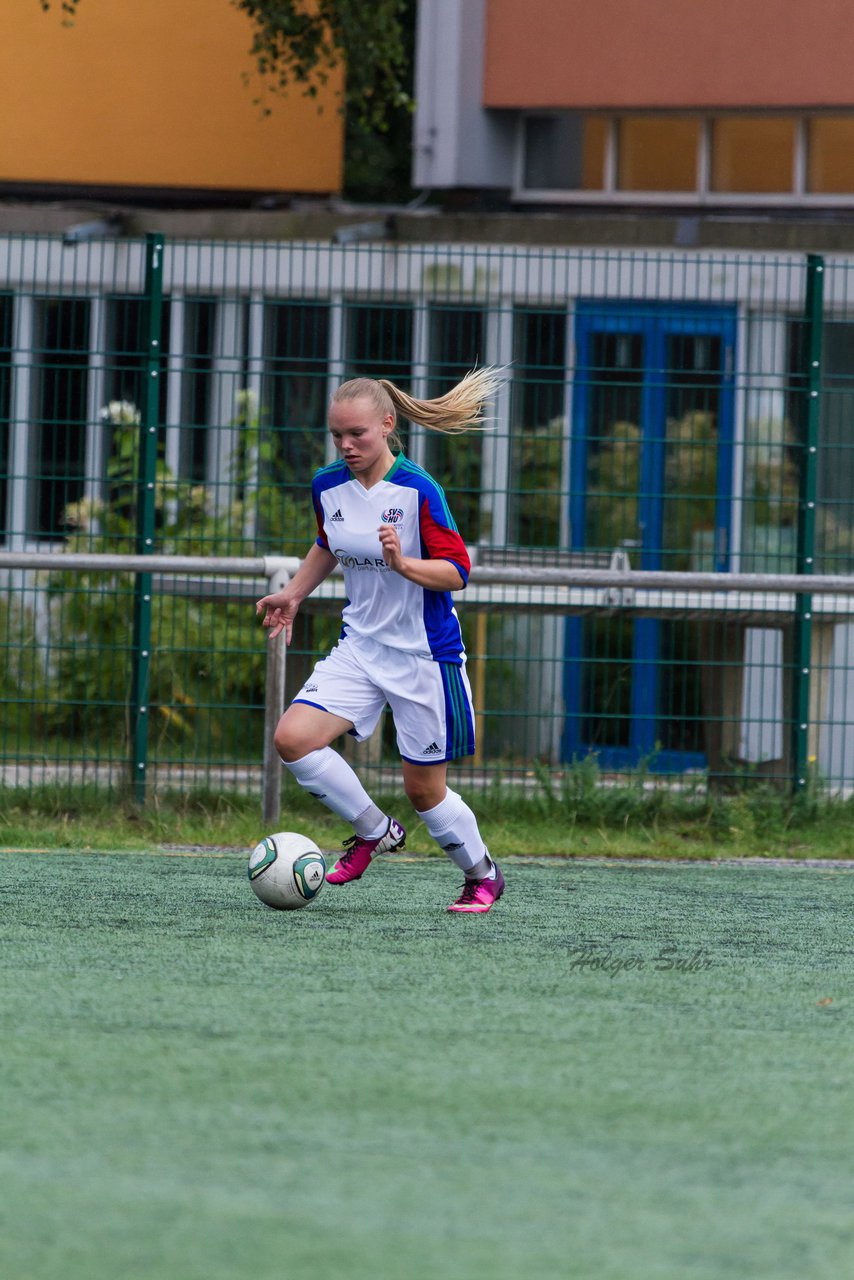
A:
654,323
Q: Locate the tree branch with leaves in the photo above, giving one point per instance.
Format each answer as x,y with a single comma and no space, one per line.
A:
298,43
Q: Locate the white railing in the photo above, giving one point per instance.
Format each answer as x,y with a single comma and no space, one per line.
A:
760,599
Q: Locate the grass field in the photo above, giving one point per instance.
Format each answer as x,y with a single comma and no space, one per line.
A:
623,1072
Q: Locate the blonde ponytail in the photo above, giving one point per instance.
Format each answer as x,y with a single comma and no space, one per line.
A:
457,411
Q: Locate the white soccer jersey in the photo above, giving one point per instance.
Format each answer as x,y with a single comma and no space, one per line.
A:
382,604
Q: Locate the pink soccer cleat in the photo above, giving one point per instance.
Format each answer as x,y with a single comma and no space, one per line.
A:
479,895
353,864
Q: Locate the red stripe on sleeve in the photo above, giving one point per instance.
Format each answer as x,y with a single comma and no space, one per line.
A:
441,543
322,540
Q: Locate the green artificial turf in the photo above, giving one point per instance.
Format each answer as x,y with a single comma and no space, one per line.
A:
623,1072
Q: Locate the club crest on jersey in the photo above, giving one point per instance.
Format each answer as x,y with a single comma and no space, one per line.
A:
392,516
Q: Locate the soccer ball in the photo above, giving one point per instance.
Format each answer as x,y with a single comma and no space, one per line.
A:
287,870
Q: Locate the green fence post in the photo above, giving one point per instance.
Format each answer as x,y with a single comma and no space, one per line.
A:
802,648
145,510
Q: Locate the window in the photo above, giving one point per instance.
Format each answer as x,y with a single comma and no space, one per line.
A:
297,366
380,341
732,156
612,482
753,154
127,352
379,344
196,388
565,151
5,403
834,527
293,418
538,426
457,341
126,378
830,167
60,413
658,153
774,455
539,363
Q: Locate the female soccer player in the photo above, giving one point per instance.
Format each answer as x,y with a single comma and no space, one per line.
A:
386,522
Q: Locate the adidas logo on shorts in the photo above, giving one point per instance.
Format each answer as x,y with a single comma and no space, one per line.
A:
433,750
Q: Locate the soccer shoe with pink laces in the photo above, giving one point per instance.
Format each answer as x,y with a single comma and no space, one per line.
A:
353,864
479,895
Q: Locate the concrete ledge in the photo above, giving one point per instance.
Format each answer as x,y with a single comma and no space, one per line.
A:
321,220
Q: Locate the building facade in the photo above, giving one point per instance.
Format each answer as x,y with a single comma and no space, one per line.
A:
156,98
726,105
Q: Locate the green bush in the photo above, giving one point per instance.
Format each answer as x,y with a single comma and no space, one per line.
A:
22,675
207,657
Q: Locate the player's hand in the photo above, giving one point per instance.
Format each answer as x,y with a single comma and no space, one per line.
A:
390,543
279,611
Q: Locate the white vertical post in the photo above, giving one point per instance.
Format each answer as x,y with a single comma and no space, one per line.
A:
495,475
741,378
765,418
274,705
21,431
420,368
95,454
566,450
229,348
337,359
174,380
254,388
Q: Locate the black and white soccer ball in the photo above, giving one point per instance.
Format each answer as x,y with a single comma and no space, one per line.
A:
287,870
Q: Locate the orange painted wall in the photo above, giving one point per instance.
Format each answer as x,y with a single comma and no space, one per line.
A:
669,53
150,93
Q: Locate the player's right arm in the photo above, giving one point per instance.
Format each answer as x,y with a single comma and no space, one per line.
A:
281,608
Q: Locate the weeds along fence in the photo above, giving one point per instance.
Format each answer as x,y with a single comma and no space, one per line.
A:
664,414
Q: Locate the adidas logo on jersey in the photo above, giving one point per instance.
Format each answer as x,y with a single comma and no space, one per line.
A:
433,750
336,515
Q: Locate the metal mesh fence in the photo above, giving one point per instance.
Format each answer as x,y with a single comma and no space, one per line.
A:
676,412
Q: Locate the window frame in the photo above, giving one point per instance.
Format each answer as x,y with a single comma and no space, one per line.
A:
702,195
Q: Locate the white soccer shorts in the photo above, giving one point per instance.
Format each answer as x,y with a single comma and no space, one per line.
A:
431,702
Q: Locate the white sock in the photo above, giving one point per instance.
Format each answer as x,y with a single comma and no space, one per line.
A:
453,826
327,776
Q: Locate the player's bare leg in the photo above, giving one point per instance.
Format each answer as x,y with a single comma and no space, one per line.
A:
303,737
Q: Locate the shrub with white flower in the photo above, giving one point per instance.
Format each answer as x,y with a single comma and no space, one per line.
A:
121,413
82,516
246,407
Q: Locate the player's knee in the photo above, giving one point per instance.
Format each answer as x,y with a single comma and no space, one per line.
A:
288,742
424,793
